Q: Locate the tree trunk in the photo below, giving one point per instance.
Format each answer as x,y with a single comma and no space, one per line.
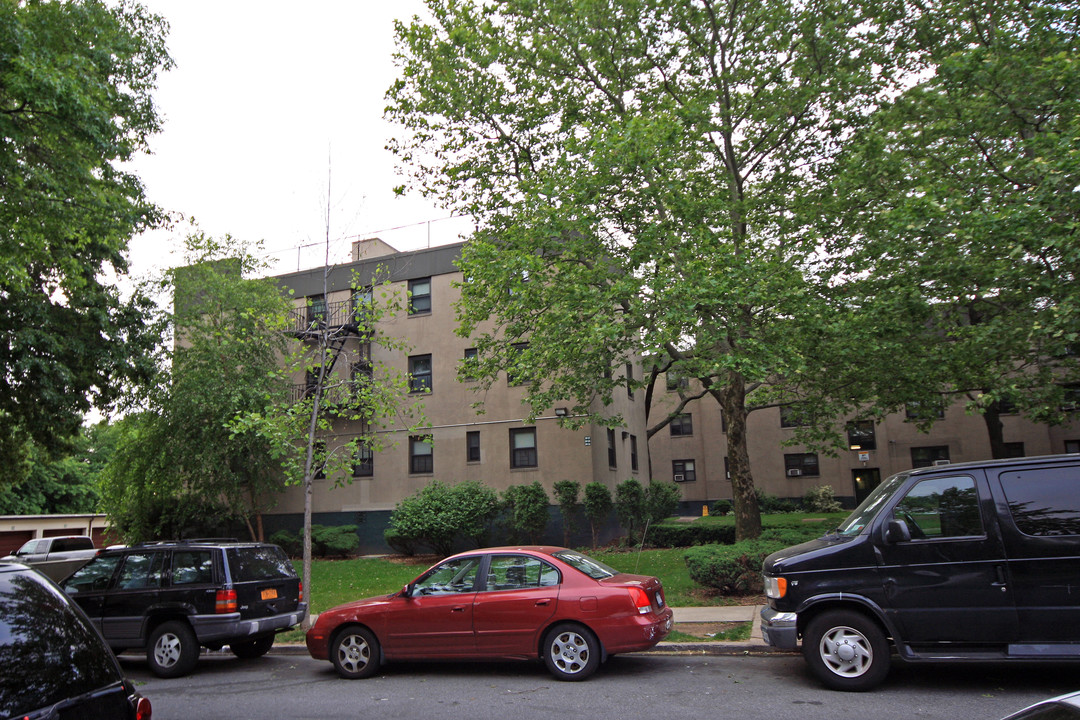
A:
995,430
744,495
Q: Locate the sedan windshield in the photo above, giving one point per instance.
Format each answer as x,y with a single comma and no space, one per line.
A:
593,568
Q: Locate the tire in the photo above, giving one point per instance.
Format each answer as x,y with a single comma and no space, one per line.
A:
846,650
571,652
173,649
251,649
354,651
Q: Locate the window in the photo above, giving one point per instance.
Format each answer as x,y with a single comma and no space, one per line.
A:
472,446
420,374
363,461
633,453
316,308
420,296
1071,399
141,570
421,456
1043,501
941,507
452,576
1012,449
683,471
924,411
319,460
929,455
362,374
361,307
630,380
468,364
860,435
519,572
523,448
792,416
514,375
801,465
1072,446
612,460
192,567
676,382
682,425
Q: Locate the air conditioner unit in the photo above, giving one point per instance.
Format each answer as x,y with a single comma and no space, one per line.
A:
794,472
941,462
680,478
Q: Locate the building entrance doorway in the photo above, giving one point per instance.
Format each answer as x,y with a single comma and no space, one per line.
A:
865,480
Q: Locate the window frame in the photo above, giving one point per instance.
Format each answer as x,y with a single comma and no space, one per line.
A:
422,463
421,383
424,306
470,446
683,423
520,462
686,467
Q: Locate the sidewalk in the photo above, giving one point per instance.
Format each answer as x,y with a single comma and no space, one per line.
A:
683,615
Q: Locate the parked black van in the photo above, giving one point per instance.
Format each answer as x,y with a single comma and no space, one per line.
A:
963,562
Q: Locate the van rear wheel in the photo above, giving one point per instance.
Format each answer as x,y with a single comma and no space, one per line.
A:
846,650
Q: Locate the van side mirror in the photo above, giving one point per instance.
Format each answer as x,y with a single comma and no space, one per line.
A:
897,532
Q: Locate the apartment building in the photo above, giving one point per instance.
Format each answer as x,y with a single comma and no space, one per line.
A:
692,450
496,446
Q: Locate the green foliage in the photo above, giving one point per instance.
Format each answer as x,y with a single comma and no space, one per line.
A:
526,508
821,499
631,508
566,495
76,84
335,541
663,499
771,504
673,534
441,516
721,508
598,506
183,461
731,569
611,162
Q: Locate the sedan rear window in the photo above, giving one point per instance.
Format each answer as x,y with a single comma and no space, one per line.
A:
593,568
260,563
49,651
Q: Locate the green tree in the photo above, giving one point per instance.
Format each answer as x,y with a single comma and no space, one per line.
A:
526,508
76,83
598,506
567,493
640,174
963,190
662,499
185,453
631,508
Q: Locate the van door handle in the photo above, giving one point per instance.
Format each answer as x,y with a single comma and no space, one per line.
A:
1000,578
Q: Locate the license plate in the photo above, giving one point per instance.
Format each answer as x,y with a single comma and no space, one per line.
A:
269,594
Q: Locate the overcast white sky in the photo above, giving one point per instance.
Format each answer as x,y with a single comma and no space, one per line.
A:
267,98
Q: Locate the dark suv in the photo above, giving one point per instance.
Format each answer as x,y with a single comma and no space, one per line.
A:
54,663
173,598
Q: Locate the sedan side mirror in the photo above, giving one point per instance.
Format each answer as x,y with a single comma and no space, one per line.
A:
897,532
407,590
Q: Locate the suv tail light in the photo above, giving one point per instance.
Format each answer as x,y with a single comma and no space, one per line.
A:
143,710
301,597
225,602
641,601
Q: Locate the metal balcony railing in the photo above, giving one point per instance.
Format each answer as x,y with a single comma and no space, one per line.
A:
323,317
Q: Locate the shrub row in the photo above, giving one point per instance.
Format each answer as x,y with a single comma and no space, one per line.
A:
671,535
337,541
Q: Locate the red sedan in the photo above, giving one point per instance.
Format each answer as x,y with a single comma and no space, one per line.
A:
499,603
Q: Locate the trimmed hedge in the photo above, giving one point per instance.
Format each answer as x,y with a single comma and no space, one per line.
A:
731,569
336,541
672,535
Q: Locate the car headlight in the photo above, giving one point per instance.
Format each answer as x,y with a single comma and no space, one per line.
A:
775,587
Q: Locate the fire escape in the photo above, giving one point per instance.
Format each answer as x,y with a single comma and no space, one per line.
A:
340,328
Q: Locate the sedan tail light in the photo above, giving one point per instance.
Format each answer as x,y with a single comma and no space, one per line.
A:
641,601
225,601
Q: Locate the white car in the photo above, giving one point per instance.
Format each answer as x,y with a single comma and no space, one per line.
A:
1062,707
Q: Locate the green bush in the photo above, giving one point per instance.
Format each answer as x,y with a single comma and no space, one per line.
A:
771,505
598,506
631,507
671,535
526,508
335,541
731,569
721,508
399,543
821,499
662,498
440,516
566,496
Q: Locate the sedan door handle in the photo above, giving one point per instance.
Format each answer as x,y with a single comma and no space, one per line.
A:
541,603
458,608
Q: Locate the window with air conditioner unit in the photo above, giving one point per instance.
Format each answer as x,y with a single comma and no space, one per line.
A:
683,471
801,464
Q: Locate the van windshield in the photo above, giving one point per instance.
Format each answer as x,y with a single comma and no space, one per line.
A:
863,514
